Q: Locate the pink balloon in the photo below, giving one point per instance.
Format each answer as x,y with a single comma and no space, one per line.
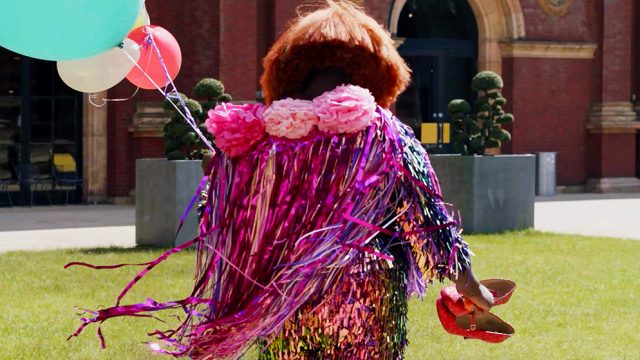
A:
149,61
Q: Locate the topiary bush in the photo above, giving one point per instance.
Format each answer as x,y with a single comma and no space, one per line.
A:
180,141
475,133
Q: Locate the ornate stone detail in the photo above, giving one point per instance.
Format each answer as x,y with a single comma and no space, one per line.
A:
613,118
548,49
555,7
497,20
148,120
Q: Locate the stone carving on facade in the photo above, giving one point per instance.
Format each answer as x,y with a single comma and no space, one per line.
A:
148,120
555,7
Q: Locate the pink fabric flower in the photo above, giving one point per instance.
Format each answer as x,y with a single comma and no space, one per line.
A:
290,118
236,128
346,109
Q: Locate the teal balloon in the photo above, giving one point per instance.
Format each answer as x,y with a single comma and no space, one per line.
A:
65,29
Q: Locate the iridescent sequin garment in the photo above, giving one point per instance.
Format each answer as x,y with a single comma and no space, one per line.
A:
310,249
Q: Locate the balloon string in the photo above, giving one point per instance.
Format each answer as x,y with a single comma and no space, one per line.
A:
171,102
93,97
184,112
190,118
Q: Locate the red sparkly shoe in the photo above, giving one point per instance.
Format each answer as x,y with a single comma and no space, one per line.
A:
501,289
486,327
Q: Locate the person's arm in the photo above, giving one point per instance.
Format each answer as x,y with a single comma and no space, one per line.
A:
439,253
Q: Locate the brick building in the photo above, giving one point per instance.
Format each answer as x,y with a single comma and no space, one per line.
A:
569,68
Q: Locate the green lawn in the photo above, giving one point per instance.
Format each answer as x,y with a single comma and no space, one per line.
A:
578,298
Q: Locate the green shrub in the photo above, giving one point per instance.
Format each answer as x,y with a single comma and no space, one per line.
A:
180,141
474,133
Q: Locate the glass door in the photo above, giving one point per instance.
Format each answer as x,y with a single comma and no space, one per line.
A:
55,118
39,117
10,123
439,41
442,71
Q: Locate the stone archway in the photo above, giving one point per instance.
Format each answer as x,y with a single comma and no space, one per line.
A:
498,21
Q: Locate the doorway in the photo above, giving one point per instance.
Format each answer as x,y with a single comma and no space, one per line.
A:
440,40
40,121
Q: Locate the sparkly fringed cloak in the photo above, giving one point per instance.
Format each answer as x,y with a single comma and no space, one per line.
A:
310,248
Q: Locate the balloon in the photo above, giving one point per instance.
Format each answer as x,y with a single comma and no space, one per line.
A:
102,71
65,29
149,61
143,18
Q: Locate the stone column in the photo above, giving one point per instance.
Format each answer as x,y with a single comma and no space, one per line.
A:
94,150
613,123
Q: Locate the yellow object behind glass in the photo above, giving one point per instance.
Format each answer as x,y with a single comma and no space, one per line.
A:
429,133
64,162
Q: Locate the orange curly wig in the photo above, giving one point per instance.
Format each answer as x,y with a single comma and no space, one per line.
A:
338,35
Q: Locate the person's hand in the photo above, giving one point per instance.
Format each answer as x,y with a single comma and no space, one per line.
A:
479,295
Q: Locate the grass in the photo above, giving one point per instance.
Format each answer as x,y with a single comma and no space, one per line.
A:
577,299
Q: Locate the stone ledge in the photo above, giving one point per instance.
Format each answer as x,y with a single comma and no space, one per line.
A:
571,189
548,49
613,118
614,185
149,120
121,200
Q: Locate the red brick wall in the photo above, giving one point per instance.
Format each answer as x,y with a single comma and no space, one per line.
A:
576,25
379,10
611,155
283,12
120,155
636,52
238,47
195,24
636,64
148,147
617,50
198,33
550,99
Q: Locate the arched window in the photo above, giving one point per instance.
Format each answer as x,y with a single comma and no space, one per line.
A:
439,19
439,41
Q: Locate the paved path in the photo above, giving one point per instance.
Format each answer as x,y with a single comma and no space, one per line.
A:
81,226
78,226
611,215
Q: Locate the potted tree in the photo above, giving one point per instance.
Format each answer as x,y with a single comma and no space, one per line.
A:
493,192
164,187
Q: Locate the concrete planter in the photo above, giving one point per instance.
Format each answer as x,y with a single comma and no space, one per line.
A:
492,193
163,191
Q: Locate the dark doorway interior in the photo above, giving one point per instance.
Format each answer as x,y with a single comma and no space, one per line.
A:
40,120
440,45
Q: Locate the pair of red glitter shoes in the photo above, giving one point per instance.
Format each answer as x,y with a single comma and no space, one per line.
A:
458,316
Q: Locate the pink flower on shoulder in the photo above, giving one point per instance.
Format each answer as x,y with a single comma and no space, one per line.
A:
346,109
236,128
290,118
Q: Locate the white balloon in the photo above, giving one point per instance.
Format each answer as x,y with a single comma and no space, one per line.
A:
100,72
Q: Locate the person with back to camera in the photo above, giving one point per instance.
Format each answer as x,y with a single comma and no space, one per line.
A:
323,214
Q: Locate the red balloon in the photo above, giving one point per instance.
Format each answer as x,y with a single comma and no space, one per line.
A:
149,61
